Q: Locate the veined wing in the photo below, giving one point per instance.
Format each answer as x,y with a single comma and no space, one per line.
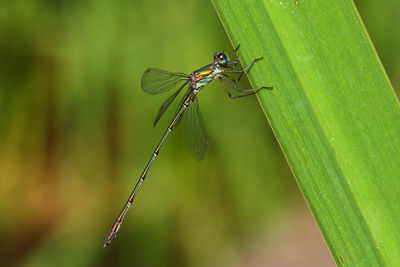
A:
156,81
167,102
195,131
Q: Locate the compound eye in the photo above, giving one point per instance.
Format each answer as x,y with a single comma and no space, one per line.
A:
222,58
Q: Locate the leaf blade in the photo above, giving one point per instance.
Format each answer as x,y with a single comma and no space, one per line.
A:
332,110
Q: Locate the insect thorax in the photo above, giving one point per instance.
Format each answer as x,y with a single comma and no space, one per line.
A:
204,77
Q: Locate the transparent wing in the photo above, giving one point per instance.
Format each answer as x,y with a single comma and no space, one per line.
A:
156,81
167,102
195,131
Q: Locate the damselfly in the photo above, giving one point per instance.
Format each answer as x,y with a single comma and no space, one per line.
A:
156,81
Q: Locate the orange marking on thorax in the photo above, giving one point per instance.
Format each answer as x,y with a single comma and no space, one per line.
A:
203,73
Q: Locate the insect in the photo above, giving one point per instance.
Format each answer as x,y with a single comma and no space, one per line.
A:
156,81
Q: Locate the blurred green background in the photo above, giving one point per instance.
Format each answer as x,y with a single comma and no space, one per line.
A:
76,132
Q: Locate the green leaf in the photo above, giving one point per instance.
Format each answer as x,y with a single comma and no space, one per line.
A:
334,114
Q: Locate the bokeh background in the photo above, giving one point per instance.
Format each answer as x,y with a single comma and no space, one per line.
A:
76,131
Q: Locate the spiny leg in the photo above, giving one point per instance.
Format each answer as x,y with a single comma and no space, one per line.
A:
230,95
233,64
244,90
246,69
236,81
230,78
